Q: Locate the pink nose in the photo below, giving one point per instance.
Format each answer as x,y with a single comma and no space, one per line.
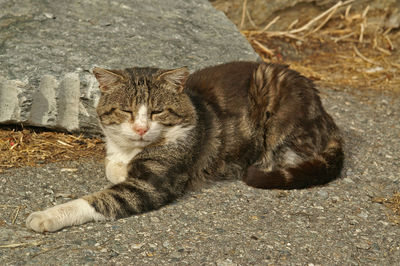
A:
140,129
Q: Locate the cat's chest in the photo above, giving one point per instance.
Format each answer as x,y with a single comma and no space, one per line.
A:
123,155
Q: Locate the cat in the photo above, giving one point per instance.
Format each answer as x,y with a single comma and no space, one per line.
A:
168,131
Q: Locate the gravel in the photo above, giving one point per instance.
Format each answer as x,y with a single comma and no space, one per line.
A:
228,223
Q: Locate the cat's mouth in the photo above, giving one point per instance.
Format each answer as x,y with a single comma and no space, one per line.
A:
139,140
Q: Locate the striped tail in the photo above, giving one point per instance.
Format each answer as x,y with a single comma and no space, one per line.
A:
316,171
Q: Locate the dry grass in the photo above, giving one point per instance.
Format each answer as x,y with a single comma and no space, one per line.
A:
341,48
393,204
31,147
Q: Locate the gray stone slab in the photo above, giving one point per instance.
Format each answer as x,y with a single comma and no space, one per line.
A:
48,49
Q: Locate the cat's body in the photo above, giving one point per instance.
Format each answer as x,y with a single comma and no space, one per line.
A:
168,131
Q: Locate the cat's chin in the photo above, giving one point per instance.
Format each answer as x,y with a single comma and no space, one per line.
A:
138,143
141,142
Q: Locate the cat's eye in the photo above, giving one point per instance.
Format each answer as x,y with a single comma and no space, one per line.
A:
127,111
173,112
156,112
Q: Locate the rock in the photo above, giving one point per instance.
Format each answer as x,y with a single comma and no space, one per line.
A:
48,49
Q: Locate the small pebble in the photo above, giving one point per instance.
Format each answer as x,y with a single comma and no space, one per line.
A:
363,215
323,194
154,219
363,245
137,246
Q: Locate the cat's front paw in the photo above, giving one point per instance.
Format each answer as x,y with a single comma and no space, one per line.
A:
43,221
74,212
116,172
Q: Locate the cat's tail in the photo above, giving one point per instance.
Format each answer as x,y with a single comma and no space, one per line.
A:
317,171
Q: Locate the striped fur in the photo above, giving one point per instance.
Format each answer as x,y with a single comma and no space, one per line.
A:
168,131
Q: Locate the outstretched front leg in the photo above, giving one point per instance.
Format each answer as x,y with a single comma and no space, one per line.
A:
71,213
155,185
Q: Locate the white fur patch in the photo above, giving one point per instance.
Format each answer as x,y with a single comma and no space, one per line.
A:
176,133
154,132
291,158
116,172
141,119
55,218
117,161
116,153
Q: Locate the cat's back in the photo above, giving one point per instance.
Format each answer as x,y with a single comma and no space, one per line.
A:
225,86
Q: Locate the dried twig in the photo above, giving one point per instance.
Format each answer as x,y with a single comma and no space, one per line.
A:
46,250
325,21
346,14
364,14
386,32
263,48
16,245
389,42
311,22
64,143
292,33
250,19
292,24
395,65
343,37
386,52
243,14
363,24
270,24
7,206
279,34
363,57
16,214
361,38
374,42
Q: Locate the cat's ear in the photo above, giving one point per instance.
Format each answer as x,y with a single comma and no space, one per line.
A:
108,79
175,78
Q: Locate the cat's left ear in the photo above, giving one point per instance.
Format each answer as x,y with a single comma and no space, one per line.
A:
175,78
108,79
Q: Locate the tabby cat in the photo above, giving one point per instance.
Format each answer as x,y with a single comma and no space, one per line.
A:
167,131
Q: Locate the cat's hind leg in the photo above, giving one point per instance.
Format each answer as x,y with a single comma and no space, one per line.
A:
301,176
299,173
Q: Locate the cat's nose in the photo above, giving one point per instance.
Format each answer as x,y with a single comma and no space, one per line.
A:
141,130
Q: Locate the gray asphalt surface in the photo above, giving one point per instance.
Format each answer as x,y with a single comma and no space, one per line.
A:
228,223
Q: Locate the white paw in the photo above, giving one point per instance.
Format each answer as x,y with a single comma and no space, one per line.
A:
74,212
43,221
116,172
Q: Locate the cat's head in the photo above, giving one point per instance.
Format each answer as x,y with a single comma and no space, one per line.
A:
140,106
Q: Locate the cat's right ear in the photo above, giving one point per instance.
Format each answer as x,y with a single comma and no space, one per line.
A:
107,79
175,78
